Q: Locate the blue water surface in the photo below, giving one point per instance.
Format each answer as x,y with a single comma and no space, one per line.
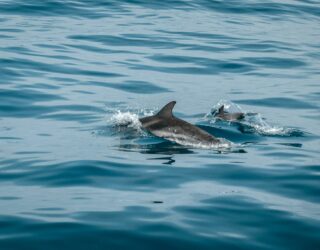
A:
74,176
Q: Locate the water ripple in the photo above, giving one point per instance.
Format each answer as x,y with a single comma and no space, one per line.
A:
31,65
140,87
277,102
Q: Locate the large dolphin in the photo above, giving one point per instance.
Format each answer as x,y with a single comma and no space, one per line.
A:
165,125
223,115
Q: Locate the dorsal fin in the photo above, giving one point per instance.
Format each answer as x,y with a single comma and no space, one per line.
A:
166,111
221,110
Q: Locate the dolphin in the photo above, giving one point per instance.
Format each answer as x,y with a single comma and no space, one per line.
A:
165,125
223,115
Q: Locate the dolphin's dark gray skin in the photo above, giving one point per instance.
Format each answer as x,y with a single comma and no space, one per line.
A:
164,124
221,114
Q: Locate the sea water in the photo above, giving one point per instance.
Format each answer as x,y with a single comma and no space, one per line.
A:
78,172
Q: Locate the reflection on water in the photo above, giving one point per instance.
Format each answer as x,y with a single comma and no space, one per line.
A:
163,148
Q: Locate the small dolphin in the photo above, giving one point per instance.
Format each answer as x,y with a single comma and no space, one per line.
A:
165,125
221,114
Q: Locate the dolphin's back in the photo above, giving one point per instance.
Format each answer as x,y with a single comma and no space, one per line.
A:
188,132
164,124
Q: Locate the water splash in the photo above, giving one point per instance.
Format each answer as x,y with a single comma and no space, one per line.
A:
252,123
255,123
125,119
228,106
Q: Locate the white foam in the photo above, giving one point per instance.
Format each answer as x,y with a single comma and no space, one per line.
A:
126,119
262,127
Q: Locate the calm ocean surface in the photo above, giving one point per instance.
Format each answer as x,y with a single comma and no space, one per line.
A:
73,73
